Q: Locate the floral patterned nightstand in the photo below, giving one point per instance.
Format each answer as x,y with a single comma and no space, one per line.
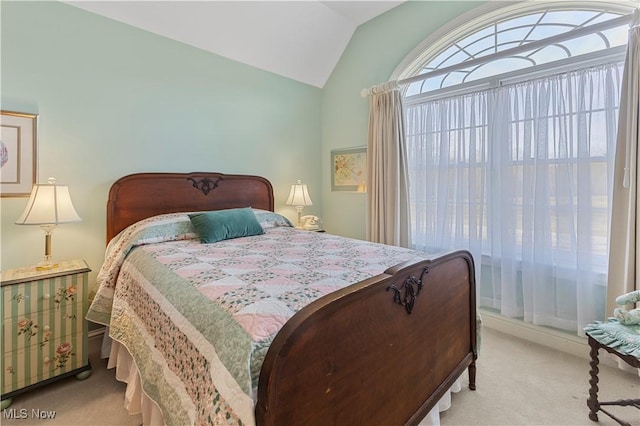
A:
44,333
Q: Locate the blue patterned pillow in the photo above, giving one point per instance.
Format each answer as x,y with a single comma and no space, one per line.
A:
221,225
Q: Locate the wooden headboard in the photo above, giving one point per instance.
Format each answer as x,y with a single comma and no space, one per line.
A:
142,195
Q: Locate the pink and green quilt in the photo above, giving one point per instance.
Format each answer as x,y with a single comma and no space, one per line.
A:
198,318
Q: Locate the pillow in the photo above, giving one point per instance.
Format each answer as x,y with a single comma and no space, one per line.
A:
270,219
221,225
628,298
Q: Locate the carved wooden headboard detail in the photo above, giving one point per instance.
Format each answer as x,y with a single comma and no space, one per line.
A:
142,195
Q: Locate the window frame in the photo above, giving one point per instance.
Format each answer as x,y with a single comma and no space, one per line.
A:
480,17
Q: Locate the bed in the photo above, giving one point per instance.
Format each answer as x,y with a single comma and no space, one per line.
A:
285,327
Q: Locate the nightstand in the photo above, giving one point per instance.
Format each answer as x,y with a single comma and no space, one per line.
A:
44,333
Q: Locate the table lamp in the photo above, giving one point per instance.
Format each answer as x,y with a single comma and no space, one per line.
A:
49,204
299,197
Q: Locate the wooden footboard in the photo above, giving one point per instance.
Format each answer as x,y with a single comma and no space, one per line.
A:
380,352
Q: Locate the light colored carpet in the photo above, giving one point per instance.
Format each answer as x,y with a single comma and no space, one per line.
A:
523,383
518,383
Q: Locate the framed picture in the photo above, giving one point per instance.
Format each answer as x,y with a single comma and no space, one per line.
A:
349,169
18,134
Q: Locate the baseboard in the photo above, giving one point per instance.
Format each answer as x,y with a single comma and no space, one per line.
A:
574,345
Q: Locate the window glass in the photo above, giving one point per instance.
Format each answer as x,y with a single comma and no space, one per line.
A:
505,34
616,36
513,159
498,66
485,44
548,30
481,37
438,60
549,54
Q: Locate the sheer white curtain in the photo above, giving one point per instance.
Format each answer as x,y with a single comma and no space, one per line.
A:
520,175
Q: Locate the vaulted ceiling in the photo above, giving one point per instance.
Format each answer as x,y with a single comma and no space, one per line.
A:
302,40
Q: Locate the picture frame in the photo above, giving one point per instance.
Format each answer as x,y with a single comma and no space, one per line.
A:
349,169
18,149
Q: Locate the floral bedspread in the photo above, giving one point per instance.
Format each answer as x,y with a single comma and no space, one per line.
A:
198,318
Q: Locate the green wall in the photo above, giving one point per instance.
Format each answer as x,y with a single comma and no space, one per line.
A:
375,50
114,100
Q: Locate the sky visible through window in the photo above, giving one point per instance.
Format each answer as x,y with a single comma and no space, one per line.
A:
518,31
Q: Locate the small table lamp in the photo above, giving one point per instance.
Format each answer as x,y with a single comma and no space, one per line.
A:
299,197
49,204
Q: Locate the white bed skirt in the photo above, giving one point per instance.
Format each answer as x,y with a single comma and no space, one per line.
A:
137,402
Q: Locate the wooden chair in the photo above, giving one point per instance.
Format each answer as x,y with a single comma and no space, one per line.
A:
624,342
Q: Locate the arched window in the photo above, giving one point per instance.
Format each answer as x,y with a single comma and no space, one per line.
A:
511,123
519,39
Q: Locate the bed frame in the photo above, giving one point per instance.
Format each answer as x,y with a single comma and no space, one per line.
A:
381,351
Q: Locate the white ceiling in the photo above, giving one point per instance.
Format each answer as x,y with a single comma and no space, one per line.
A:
302,40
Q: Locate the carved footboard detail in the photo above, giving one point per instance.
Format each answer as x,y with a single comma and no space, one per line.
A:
353,357
408,292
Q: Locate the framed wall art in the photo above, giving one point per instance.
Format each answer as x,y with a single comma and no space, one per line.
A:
18,143
349,169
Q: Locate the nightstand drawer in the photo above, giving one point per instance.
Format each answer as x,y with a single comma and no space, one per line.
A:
43,294
31,365
44,332
39,328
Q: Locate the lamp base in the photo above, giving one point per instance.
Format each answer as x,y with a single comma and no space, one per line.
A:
46,266
299,210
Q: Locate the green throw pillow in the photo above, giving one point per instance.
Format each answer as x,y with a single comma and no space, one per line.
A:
221,225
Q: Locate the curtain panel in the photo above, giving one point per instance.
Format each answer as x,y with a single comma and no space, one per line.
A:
520,176
624,258
387,179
